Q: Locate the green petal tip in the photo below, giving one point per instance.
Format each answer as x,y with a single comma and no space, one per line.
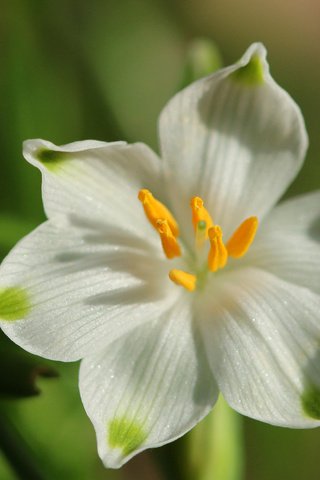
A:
125,434
50,158
250,74
310,400
14,303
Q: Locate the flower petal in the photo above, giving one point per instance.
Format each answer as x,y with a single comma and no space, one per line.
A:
95,179
67,290
262,337
288,242
231,137
149,387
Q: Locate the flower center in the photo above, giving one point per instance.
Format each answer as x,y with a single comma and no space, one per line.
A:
205,230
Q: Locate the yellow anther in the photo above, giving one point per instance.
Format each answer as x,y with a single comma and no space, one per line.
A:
242,238
155,210
201,220
169,242
184,279
200,213
218,254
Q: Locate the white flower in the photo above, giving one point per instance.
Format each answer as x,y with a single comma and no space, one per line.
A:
163,322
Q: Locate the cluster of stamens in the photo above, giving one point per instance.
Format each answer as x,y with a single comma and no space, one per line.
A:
167,227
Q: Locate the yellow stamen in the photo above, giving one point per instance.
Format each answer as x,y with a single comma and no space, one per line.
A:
218,254
184,279
155,210
169,243
200,213
242,238
201,220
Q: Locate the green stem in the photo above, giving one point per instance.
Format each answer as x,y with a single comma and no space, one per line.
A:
215,446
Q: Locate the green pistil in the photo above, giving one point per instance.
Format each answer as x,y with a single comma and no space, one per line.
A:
202,276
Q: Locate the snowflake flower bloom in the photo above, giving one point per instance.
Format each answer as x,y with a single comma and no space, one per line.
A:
172,279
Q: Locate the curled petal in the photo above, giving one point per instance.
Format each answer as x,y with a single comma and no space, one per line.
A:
95,180
232,137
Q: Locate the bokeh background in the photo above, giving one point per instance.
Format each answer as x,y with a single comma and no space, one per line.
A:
72,70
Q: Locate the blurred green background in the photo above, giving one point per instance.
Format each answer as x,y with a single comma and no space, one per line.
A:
72,70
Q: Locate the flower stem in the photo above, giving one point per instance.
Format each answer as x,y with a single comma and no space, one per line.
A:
215,447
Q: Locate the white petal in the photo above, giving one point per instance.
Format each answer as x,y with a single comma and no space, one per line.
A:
288,242
148,387
96,180
262,337
235,138
66,291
